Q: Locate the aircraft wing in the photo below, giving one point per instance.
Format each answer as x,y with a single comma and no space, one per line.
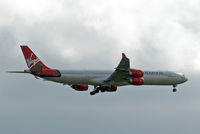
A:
121,71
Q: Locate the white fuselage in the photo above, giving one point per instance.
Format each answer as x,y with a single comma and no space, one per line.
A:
88,77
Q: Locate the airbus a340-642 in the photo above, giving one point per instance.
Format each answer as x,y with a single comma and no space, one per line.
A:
103,81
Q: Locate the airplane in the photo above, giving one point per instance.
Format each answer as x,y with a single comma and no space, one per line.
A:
103,81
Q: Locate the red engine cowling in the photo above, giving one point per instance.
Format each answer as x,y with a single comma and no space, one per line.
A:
81,87
136,81
136,73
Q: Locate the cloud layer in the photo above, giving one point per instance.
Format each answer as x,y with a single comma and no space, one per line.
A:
73,31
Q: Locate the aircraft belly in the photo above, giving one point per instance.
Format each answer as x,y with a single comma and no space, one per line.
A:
78,79
74,79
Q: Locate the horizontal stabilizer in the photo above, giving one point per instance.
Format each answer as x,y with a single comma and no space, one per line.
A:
19,72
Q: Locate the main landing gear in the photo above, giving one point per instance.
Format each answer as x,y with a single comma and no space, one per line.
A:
96,90
102,89
174,88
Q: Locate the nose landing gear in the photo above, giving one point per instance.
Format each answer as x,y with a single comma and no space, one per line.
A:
174,88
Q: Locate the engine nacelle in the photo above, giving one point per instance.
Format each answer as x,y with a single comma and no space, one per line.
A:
136,81
81,87
136,73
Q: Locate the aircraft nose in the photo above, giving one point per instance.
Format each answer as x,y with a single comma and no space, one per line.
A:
186,79
182,77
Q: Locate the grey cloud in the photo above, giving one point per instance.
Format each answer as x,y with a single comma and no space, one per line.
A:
50,38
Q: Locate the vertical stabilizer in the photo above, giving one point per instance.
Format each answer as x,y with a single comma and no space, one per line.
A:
31,59
36,66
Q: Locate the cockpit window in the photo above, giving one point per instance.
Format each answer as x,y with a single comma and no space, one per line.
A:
182,75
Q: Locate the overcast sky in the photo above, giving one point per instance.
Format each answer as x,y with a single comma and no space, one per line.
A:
92,34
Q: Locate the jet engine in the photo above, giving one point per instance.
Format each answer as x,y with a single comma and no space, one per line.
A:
136,73
81,87
136,81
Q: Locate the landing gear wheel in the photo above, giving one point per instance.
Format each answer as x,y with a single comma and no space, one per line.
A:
174,90
94,92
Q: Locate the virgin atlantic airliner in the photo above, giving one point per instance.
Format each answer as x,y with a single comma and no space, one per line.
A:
103,81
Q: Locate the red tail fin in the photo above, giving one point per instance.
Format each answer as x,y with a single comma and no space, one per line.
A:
31,58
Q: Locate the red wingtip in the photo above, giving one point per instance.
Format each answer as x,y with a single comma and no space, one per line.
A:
123,55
